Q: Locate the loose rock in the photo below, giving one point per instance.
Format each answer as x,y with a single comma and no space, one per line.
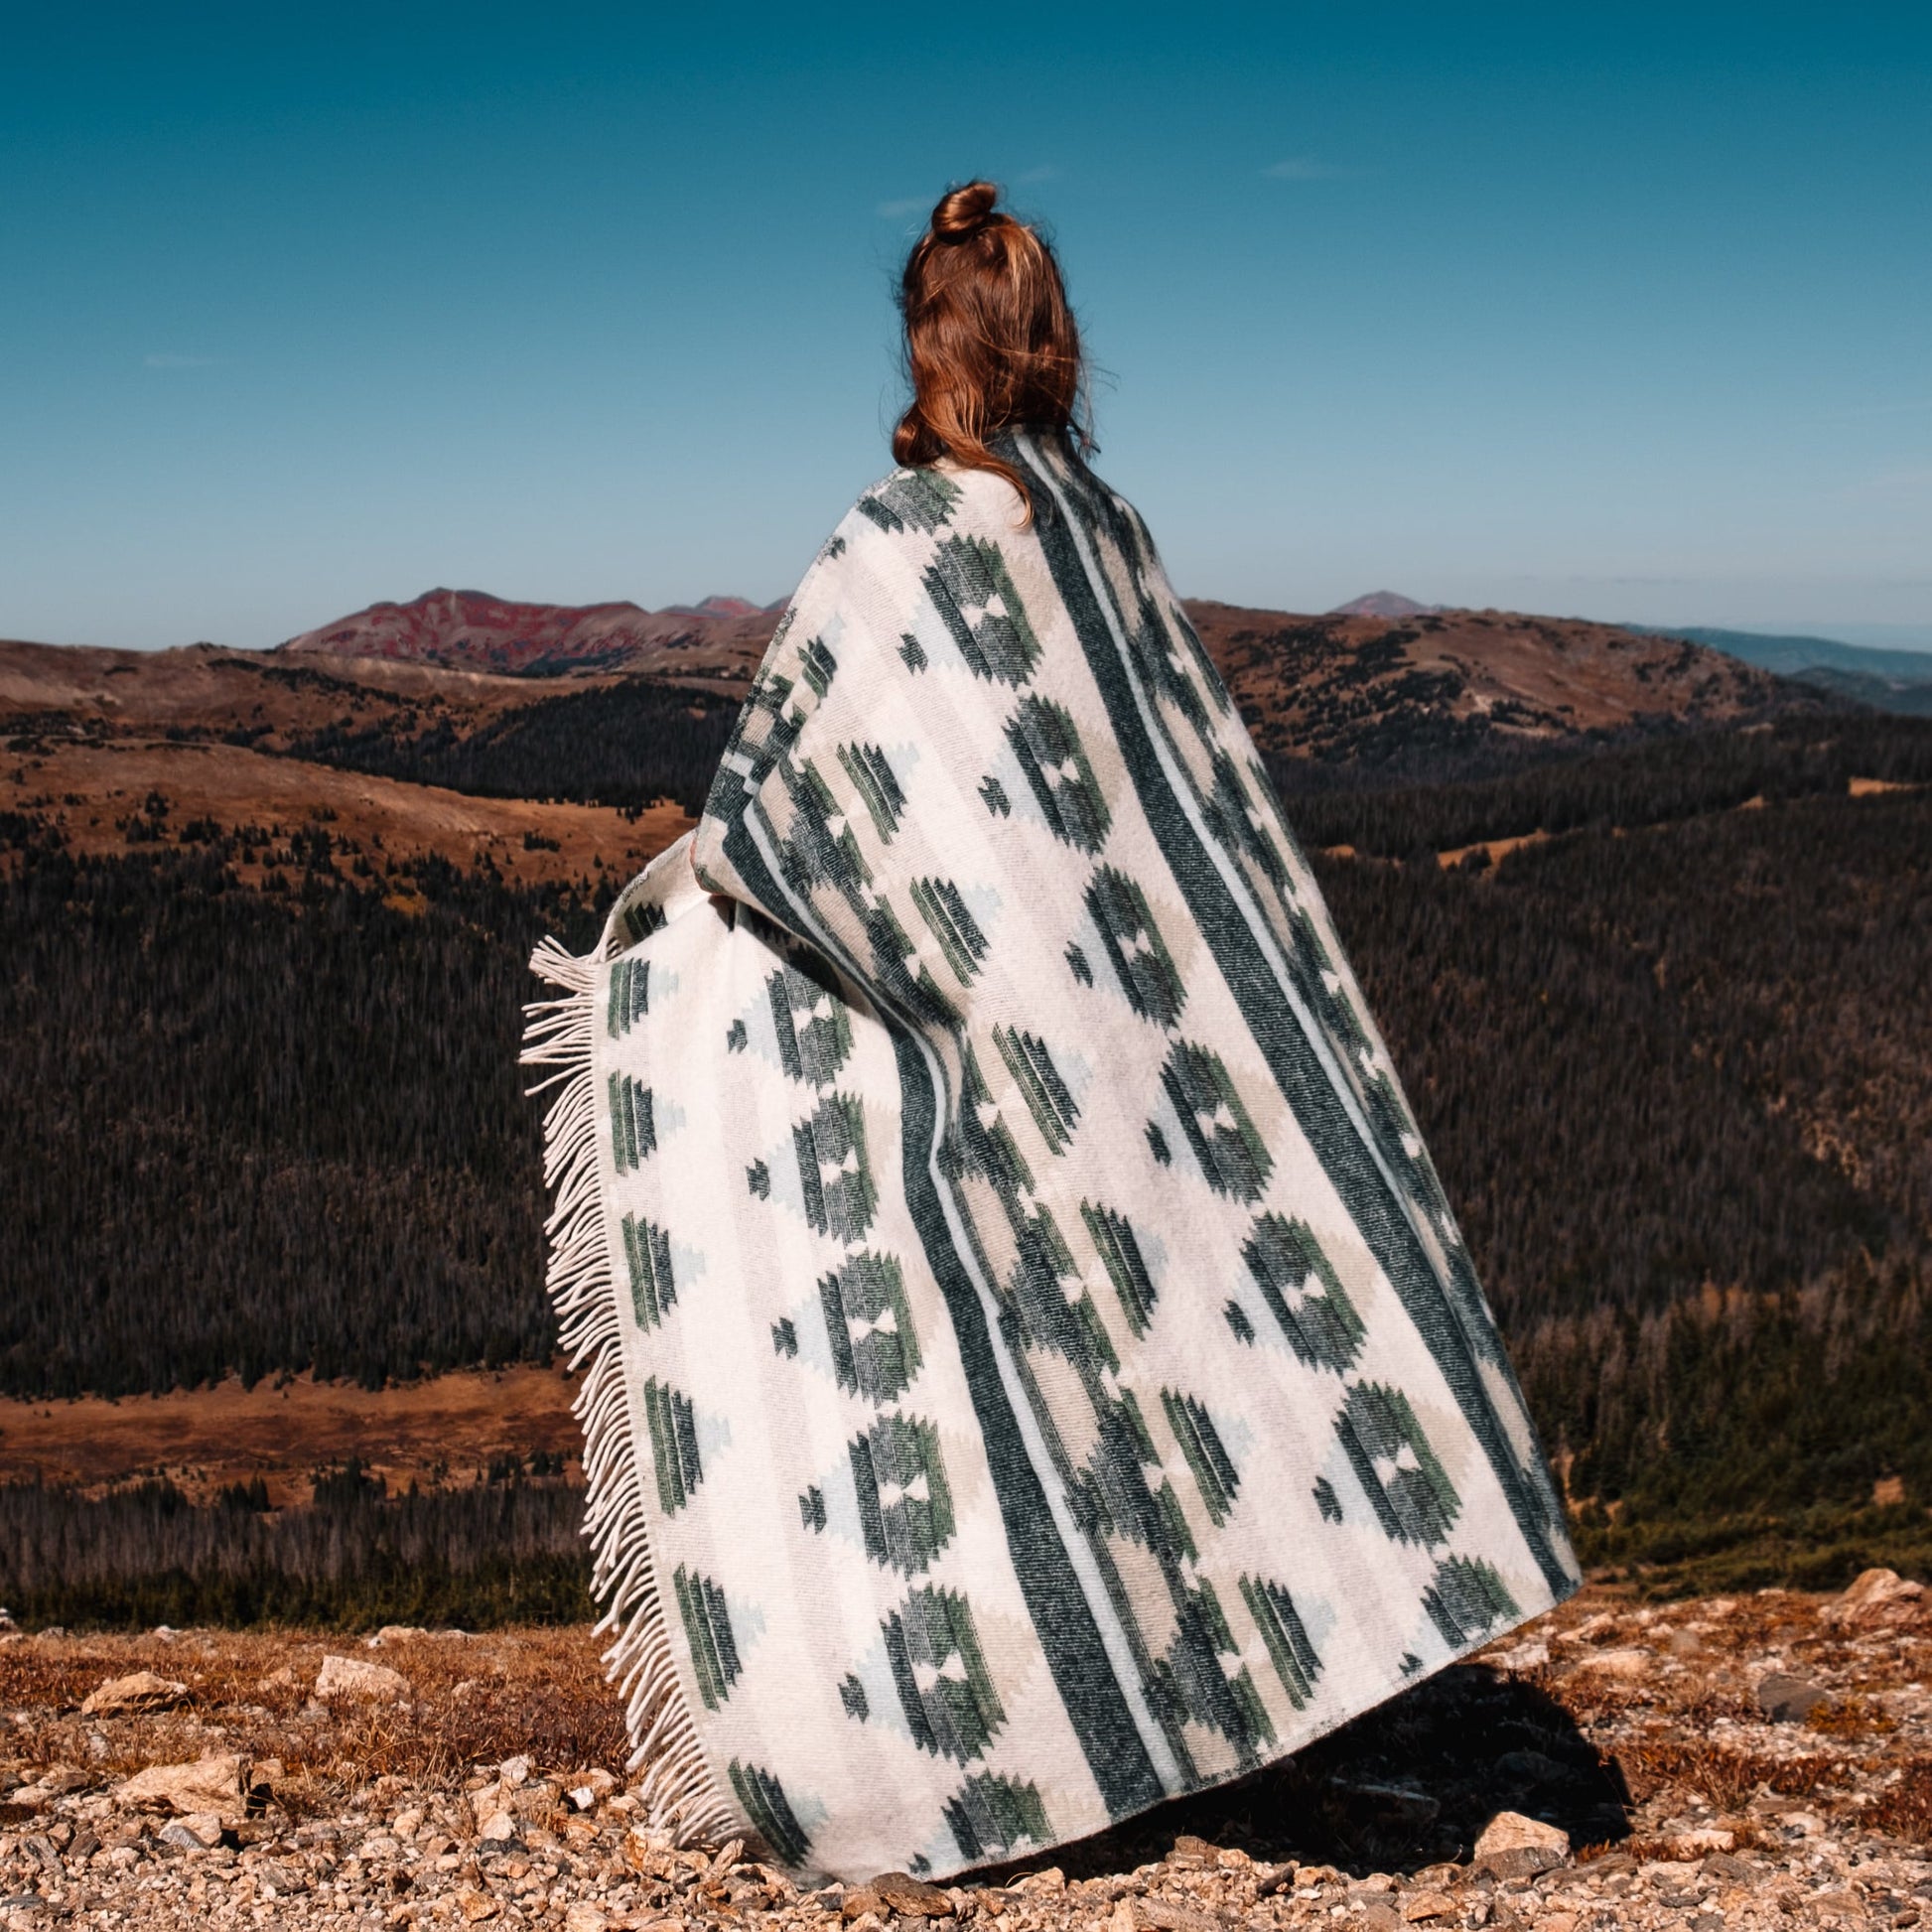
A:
1515,1846
356,1678
1788,1699
209,1785
142,1690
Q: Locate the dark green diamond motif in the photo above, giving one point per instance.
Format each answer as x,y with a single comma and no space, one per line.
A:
987,1141
764,1800
813,1026
640,922
708,1631
1405,1485
840,1194
1115,1242
633,1126
1047,1096
969,586
915,499
673,1443
943,1684
1216,1123
1049,748
947,916
1286,1636
1326,1499
877,785
1194,1686
817,666
1237,1319
822,848
852,1694
1304,1293
1466,1599
868,1323
630,995
1207,1456
1133,946
993,795
905,1505
991,1814
647,1257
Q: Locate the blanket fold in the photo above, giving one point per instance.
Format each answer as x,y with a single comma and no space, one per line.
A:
1034,1369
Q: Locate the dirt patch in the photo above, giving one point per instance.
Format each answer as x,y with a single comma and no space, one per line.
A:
97,793
444,1429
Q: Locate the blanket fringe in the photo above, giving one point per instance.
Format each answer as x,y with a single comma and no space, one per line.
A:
677,1791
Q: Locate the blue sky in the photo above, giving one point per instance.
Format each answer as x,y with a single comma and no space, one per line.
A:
1615,311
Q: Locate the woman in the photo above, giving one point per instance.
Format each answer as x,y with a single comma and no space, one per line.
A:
1034,1368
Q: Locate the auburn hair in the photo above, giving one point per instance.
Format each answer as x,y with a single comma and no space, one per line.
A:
991,344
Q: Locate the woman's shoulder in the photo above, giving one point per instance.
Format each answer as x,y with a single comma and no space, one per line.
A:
930,499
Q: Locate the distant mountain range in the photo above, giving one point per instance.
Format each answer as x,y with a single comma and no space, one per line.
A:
1887,680
1383,677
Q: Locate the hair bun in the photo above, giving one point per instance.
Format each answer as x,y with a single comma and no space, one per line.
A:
965,211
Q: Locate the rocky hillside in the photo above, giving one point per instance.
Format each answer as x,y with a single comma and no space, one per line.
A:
1435,693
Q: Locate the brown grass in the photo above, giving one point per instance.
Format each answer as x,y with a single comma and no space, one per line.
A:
443,1428
473,1700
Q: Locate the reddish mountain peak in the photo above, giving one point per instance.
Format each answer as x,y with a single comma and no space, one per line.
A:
1382,604
472,631
716,607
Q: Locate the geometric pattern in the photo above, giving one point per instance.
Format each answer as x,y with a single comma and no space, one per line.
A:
1035,1370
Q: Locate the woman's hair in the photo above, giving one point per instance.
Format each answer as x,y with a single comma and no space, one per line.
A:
990,341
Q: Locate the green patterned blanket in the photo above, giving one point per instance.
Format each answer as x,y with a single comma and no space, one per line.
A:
1032,1369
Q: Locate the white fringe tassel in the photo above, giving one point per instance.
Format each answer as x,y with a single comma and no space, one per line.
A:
677,1791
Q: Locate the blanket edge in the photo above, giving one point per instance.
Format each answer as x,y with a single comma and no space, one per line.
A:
677,1791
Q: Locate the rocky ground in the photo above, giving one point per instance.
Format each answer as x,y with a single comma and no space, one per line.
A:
1764,1761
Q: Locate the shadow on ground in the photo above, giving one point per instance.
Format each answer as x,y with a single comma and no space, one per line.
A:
1406,1785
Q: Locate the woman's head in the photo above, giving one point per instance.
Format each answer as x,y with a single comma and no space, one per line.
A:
990,341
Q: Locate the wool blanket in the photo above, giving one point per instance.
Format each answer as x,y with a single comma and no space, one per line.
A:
1033,1368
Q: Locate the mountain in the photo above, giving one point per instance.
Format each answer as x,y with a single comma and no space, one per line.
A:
1385,682
1887,680
718,641
1442,694
1382,604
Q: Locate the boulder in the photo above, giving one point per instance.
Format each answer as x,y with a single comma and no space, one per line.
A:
1617,1663
200,1832
352,1678
140,1690
912,1897
211,1784
1515,1846
1788,1699
1877,1597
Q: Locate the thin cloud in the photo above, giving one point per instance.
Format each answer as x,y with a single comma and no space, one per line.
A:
168,361
1305,167
898,211
1033,176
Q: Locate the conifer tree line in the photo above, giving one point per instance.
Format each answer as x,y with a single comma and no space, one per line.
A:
1675,1065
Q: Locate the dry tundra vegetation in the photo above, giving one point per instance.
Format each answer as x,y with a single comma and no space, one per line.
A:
1763,1760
